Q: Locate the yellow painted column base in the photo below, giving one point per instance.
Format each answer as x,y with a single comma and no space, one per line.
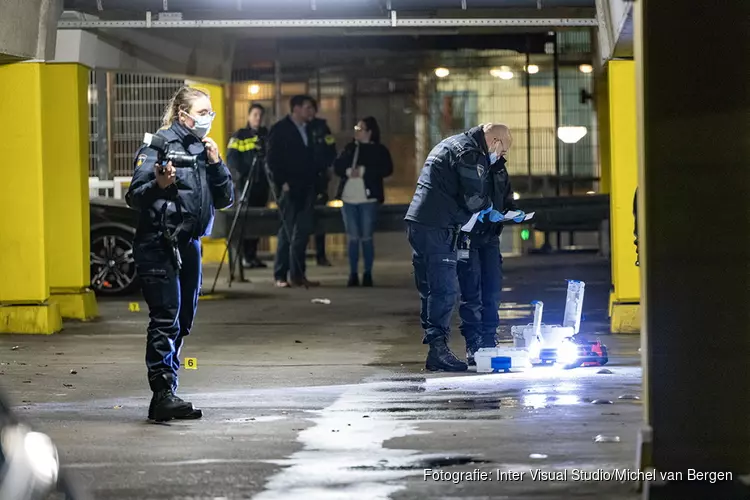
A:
625,317
75,304
31,319
213,250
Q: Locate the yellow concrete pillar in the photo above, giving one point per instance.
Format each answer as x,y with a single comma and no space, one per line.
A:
24,277
623,174
213,249
65,149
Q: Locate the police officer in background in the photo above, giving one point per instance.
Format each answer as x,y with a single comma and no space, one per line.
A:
480,274
176,208
324,153
246,157
452,186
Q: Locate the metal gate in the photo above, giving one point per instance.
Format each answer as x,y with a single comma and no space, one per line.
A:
133,104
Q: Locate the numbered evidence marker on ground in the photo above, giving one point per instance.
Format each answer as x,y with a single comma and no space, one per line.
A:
191,363
134,307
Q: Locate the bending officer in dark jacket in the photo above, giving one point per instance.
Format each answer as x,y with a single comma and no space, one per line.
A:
176,209
291,163
480,273
452,186
246,157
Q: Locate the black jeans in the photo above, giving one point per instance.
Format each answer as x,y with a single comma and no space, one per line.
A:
172,298
434,260
298,215
480,278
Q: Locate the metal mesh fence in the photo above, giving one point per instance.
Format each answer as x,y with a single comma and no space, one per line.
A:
135,106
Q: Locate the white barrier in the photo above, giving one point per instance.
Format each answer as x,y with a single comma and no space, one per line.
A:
114,188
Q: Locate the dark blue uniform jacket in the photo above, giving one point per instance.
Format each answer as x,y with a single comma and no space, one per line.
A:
198,191
453,183
501,194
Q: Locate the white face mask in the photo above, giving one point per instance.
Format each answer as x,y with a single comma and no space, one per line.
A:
202,124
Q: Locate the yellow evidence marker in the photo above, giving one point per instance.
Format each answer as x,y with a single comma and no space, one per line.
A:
191,363
134,307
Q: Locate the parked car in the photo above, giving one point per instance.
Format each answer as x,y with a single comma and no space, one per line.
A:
113,226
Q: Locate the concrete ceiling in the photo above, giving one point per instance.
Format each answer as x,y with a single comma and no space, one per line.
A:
123,24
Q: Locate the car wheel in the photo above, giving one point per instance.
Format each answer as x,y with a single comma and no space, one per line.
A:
112,264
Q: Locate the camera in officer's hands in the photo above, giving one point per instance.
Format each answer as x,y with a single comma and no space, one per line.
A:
160,145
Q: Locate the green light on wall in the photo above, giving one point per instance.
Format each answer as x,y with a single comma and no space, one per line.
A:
525,234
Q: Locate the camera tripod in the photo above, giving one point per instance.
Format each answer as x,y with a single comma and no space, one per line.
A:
243,206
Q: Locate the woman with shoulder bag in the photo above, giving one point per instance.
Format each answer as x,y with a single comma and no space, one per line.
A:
362,166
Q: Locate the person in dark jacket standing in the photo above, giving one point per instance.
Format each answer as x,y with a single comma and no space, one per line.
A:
291,163
362,167
246,157
480,273
176,208
452,186
324,152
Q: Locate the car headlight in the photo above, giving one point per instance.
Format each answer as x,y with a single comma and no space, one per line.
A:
42,456
30,465
567,353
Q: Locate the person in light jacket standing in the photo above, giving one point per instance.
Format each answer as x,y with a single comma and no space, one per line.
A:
362,166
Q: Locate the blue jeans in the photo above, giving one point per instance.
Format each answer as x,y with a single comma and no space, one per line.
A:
172,298
359,222
480,278
434,261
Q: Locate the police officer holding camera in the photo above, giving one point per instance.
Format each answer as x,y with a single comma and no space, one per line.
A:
176,200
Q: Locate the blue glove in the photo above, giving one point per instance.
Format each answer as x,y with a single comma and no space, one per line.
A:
480,218
520,217
495,216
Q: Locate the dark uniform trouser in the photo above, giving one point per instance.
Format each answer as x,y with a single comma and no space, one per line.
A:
298,216
172,299
480,279
434,260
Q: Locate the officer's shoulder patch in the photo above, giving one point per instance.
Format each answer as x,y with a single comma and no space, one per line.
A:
139,161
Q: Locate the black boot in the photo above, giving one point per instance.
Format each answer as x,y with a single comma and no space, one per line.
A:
367,279
353,280
474,345
166,406
440,358
471,348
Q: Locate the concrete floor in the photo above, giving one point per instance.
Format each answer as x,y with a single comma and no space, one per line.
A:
314,401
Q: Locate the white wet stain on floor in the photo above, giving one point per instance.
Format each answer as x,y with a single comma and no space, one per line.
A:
344,456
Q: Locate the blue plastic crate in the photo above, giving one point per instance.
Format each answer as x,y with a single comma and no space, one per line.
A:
500,363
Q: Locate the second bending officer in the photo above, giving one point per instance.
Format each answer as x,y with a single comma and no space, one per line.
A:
452,186
480,273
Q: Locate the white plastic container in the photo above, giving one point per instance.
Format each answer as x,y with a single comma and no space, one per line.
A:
574,304
519,359
551,335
